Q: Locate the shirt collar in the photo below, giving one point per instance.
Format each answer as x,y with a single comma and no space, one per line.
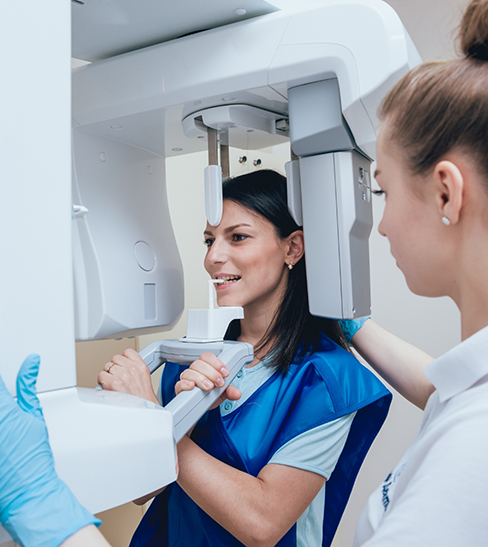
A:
461,367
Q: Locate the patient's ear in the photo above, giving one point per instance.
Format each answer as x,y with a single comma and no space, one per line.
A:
295,247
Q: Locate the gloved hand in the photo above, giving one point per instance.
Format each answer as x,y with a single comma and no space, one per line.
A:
351,326
36,507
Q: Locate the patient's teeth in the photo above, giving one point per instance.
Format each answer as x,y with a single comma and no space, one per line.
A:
228,278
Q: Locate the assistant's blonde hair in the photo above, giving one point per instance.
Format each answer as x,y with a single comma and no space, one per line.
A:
443,106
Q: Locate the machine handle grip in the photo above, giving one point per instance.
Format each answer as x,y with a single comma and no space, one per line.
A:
189,406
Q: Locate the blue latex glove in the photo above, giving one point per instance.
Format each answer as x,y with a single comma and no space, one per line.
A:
351,326
36,507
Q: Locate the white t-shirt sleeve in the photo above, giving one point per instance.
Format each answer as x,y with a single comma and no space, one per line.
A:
318,449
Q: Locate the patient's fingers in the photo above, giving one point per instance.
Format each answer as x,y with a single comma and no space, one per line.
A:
206,373
215,362
233,393
203,374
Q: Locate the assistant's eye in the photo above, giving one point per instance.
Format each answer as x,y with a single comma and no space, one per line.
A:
208,242
239,237
378,192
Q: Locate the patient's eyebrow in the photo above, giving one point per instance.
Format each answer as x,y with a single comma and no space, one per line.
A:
232,228
228,229
376,173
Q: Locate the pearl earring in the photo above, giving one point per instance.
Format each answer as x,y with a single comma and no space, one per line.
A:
446,221
290,266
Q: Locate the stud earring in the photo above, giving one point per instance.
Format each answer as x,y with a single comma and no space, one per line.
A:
446,221
290,266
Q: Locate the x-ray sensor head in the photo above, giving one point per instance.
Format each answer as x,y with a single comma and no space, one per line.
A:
213,194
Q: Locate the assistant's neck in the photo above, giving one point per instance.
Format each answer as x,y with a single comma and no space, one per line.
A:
470,285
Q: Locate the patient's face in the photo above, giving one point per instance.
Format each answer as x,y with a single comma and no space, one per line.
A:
246,252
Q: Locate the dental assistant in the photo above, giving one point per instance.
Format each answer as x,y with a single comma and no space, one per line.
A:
432,167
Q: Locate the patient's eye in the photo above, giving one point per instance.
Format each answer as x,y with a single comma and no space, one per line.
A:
208,242
239,237
378,192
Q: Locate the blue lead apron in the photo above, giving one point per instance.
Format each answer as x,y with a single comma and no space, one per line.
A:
320,388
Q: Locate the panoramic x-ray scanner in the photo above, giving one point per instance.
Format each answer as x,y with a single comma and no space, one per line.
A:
168,78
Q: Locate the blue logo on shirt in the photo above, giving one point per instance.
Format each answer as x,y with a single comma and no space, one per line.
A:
385,500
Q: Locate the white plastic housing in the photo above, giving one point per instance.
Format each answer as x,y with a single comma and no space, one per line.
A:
36,276
337,222
317,123
211,325
149,92
127,270
109,448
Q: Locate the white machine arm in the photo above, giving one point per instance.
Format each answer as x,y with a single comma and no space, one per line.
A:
314,75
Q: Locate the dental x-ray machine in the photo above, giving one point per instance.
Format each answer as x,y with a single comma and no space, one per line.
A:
313,76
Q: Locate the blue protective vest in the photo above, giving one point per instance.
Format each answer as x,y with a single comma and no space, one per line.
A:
318,389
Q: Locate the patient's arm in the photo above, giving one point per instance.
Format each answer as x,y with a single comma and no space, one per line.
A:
398,362
86,536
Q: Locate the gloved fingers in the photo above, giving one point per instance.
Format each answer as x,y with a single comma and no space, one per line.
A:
351,326
26,386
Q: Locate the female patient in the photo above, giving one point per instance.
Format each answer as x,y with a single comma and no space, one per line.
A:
254,470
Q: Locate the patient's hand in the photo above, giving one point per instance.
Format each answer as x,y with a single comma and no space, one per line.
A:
206,373
128,373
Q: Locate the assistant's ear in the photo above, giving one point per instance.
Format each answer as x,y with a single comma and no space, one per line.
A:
295,247
449,190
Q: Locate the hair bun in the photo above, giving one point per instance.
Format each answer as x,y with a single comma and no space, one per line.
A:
478,51
473,31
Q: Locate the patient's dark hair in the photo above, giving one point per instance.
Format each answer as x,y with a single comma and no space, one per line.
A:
294,332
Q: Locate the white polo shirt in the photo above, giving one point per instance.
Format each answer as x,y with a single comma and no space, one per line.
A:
437,496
